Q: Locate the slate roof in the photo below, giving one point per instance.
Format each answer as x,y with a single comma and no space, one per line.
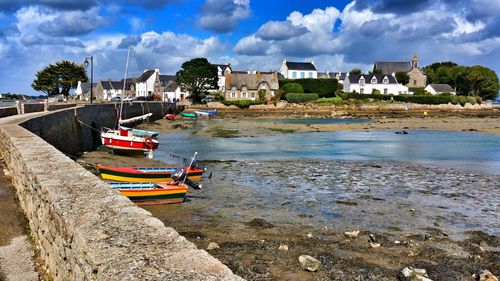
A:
252,81
332,75
368,78
389,67
223,66
115,85
166,79
300,66
145,76
442,88
86,87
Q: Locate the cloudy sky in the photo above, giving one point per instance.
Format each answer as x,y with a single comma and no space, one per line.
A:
250,34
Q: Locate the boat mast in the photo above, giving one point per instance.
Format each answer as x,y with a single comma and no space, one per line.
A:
124,85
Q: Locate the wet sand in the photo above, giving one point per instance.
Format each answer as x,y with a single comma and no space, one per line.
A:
443,220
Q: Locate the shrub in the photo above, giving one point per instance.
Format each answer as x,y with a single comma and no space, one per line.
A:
262,95
300,97
418,91
357,96
376,92
323,87
333,100
242,103
471,100
292,88
479,100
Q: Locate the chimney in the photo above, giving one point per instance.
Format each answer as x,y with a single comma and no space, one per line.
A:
258,75
228,81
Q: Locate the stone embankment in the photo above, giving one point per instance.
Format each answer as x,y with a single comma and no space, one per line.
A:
82,229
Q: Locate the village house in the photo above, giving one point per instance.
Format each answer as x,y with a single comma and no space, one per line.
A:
367,83
418,79
148,83
340,76
297,70
247,85
107,89
82,91
222,71
437,89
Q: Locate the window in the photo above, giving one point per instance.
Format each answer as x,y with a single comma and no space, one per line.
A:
385,91
361,90
302,75
414,82
361,81
233,95
244,95
294,74
253,95
374,80
310,75
385,81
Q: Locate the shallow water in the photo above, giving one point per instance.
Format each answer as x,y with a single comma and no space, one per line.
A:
372,180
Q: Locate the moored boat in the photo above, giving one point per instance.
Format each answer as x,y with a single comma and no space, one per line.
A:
188,114
170,116
140,174
124,140
210,112
201,113
146,194
140,133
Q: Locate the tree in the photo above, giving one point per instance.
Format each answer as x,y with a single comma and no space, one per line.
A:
58,78
292,88
483,82
402,77
196,77
377,71
355,71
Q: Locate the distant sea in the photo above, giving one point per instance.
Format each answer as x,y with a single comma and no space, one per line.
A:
7,103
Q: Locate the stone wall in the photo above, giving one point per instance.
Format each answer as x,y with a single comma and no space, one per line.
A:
32,107
8,111
83,229
52,107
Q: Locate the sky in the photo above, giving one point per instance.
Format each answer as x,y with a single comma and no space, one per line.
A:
337,35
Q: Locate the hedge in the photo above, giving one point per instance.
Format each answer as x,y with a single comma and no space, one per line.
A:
242,103
334,100
425,99
418,91
292,88
299,97
323,87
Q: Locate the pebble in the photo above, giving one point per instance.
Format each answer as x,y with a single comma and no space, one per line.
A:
212,246
413,274
352,234
372,238
484,275
309,263
283,247
309,235
374,245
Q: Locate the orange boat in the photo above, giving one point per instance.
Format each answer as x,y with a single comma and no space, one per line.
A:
148,194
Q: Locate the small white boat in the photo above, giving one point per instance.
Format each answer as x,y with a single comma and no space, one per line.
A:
202,113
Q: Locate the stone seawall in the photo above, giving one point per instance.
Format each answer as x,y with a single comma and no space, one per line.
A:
8,111
83,229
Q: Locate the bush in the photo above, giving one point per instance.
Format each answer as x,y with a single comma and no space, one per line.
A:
242,103
418,91
292,88
333,100
323,87
357,96
376,92
300,97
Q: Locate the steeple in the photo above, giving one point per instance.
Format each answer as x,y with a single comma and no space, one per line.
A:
414,61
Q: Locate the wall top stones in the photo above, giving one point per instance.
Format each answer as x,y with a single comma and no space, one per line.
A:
87,231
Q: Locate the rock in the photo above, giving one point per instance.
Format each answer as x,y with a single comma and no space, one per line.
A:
259,223
212,246
372,238
309,235
352,234
401,133
374,245
309,263
283,247
484,275
413,274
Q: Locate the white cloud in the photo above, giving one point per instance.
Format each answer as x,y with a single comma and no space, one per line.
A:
223,15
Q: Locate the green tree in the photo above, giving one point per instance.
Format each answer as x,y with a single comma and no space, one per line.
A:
483,82
58,78
377,71
292,88
196,77
355,71
402,77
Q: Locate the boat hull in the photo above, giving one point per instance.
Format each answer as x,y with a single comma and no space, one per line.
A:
188,115
152,194
114,140
126,174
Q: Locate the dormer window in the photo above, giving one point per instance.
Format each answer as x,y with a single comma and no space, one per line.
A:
386,80
361,81
374,80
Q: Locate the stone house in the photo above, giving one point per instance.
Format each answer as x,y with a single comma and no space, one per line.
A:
246,85
366,83
437,89
82,91
418,79
298,70
108,89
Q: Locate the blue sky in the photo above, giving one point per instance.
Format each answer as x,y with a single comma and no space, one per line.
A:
249,34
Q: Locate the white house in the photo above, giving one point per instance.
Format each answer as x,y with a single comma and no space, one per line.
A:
437,89
148,84
222,71
366,83
173,91
297,70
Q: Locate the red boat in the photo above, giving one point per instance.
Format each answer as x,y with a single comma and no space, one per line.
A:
124,140
170,116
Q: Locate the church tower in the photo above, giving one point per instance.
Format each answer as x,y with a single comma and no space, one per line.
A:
414,61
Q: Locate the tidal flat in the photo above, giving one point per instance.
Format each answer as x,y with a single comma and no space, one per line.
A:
408,214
